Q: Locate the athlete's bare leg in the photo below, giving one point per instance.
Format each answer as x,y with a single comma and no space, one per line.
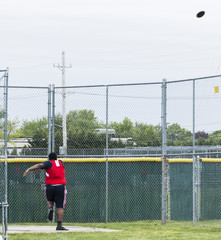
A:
60,214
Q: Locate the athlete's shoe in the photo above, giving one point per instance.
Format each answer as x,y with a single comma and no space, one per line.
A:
61,229
50,215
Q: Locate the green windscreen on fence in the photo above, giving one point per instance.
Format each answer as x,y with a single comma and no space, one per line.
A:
181,191
211,190
134,191
2,182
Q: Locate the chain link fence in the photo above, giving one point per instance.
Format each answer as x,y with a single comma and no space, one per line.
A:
89,110
210,192
28,116
111,142
134,191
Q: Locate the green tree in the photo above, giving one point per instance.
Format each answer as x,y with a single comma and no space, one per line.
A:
14,152
177,136
123,129
142,134
2,123
214,138
37,132
13,128
81,125
58,132
147,135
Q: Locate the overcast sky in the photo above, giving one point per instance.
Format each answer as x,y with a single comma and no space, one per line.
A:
115,41
109,41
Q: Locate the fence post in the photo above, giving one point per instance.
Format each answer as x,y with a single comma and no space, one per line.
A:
106,155
194,190
5,208
168,209
198,188
49,119
164,140
194,159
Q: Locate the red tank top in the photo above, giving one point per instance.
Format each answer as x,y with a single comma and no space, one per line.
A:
56,174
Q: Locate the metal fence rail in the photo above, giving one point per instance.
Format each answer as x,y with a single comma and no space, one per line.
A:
171,152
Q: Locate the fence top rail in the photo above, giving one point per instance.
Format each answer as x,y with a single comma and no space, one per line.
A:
211,159
34,87
180,160
190,160
119,84
128,159
112,85
140,84
36,160
192,79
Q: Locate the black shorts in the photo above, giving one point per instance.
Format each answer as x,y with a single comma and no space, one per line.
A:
56,194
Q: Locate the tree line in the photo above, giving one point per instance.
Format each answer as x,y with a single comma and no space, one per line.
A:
81,134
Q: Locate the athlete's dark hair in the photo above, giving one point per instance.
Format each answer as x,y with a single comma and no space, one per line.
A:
52,156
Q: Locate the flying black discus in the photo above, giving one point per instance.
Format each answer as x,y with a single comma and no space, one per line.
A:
200,14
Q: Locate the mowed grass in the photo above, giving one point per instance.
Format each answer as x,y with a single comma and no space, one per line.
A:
134,230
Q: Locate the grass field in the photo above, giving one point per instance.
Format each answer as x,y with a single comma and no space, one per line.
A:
135,230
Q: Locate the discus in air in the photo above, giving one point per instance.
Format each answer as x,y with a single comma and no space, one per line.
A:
200,14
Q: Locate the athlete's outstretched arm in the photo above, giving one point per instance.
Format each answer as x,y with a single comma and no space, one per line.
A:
35,167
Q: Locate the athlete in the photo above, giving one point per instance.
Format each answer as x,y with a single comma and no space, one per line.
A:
55,186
